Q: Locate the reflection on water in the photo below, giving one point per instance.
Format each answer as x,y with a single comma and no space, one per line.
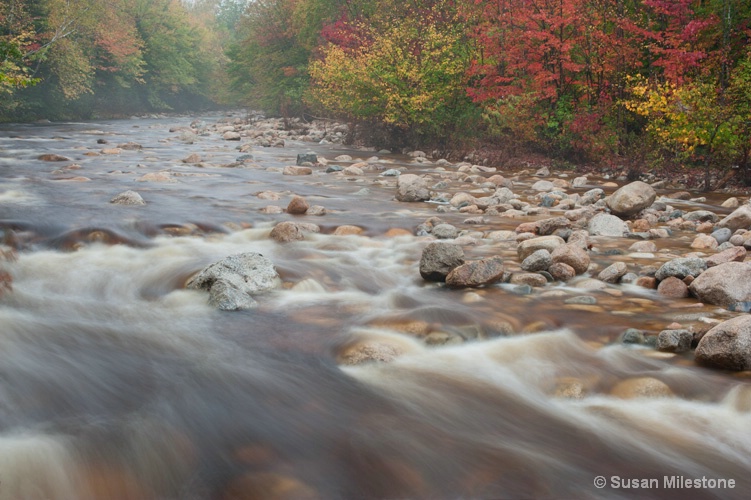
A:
119,383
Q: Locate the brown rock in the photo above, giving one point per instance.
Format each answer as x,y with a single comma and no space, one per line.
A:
613,273
704,242
673,287
642,387
298,206
727,285
561,271
573,255
735,254
295,170
477,273
292,231
53,157
549,243
647,282
348,230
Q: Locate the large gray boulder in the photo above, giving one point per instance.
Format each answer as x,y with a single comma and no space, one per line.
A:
233,281
411,187
631,199
727,285
739,219
727,345
439,259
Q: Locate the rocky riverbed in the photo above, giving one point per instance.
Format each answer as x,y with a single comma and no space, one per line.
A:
239,307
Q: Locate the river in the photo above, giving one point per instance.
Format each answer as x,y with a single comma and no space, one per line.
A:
116,382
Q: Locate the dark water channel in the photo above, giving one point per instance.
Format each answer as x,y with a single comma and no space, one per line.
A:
118,383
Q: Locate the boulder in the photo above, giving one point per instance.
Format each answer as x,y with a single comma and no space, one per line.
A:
631,199
439,259
607,225
727,345
233,281
411,187
445,232
739,219
727,285
681,267
477,273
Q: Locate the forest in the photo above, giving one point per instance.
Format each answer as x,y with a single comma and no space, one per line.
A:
651,81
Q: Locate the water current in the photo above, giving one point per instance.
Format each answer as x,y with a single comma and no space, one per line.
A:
116,382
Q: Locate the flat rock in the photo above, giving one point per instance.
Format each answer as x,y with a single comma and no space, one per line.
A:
295,170
734,254
528,247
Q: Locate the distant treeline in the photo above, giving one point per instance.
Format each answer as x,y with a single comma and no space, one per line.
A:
658,80
62,59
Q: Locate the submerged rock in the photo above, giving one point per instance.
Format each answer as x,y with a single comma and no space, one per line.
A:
128,198
233,281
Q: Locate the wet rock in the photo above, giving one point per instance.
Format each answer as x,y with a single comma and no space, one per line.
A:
411,188
573,255
306,158
476,273
641,387
549,226
231,136
445,232
295,170
528,247
674,340
353,170
649,282
347,230
543,186
462,199
531,279
704,242
681,267
607,225
722,235
297,206
156,177
632,336
727,345
701,216
317,210
439,259
392,172
673,287
561,271
368,352
53,157
192,159
128,198
739,219
613,273
724,285
631,199
539,260
733,254
292,231
581,299
233,281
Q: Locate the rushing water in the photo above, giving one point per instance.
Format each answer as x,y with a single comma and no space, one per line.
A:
116,382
